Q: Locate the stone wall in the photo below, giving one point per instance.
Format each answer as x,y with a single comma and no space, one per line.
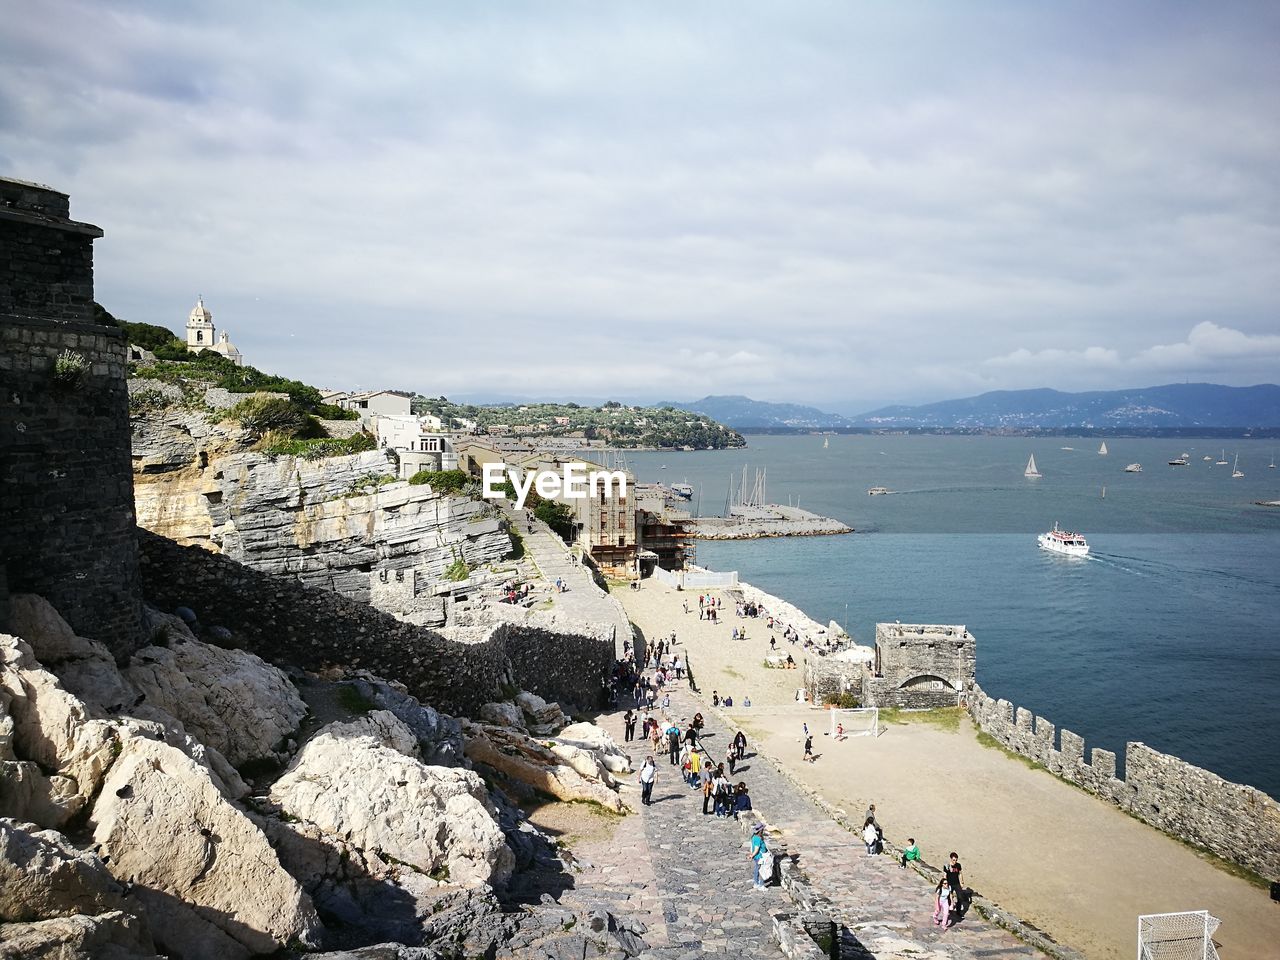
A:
920,666
288,623
66,493
1237,822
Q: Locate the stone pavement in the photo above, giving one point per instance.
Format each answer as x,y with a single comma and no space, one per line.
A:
688,876
583,600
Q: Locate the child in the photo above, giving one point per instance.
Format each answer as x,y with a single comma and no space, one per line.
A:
941,901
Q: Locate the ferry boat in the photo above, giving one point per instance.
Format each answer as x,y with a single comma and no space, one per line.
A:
1060,541
1179,462
877,491
682,490
1133,468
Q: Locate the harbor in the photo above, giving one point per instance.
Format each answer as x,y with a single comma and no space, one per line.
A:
749,516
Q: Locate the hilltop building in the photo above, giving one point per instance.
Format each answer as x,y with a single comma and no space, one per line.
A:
370,403
418,442
201,335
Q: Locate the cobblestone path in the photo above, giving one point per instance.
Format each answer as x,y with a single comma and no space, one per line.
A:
688,876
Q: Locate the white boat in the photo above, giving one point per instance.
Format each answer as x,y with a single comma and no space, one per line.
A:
1133,468
682,490
1272,464
826,442
1061,541
1066,448
1208,459
1031,472
1179,462
877,491
1235,470
1102,450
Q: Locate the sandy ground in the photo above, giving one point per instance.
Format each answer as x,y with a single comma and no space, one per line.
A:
1052,854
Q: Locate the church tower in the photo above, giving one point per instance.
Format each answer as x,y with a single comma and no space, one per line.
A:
200,328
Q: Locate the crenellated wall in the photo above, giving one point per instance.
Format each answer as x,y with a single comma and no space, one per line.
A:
1239,823
286,622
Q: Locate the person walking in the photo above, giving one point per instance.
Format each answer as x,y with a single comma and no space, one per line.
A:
648,774
708,795
673,742
954,874
808,748
731,759
695,767
871,837
740,744
629,726
941,901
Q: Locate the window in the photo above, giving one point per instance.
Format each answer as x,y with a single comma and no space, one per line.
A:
199,336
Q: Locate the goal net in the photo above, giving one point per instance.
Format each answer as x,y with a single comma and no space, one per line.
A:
1177,936
860,722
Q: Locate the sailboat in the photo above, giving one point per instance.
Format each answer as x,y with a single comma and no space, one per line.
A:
1031,472
826,442
1223,461
1102,450
1272,464
1235,470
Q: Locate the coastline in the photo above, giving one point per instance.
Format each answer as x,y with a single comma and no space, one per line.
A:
952,792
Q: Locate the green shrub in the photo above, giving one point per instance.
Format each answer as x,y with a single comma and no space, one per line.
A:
331,411
458,570
442,481
558,517
318,449
260,414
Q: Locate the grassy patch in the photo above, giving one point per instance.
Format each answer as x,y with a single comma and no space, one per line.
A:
730,672
986,740
945,718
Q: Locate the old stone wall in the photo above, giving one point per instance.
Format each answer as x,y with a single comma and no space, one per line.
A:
66,493
920,666
288,623
1237,822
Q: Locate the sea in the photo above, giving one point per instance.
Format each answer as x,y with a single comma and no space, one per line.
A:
1168,633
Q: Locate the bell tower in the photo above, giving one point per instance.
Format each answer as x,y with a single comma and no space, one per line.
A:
200,327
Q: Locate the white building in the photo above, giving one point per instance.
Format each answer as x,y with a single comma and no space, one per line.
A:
201,335
418,442
370,404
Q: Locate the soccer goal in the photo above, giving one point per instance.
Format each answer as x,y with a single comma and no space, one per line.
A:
1177,936
859,722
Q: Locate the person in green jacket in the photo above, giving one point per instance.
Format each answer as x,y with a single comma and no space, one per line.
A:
911,852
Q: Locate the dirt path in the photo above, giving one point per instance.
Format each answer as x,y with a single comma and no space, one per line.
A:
1052,854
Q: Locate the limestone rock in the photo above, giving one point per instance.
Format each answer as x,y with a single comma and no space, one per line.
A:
50,637
584,762
52,728
43,876
541,713
503,715
26,793
529,762
382,727
439,735
230,700
434,819
154,724
382,951
591,737
199,848
109,936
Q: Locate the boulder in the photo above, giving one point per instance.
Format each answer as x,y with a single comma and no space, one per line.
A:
350,783
439,735
26,793
42,876
541,713
230,700
529,762
53,729
584,762
51,638
109,936
161,823
503,715
591,737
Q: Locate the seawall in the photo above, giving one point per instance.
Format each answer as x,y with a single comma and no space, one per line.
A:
1236,822
286,622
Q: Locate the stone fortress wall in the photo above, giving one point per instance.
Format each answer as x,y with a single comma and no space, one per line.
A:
284,621
66,491
1236,822
920,666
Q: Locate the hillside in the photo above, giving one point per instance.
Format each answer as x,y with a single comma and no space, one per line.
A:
743,413
1171,405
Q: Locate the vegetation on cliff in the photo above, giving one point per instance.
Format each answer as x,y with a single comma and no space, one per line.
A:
617,424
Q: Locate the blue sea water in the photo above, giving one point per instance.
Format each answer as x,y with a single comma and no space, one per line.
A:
1168,633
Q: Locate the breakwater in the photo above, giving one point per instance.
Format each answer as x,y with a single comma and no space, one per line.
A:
1236,822
772,520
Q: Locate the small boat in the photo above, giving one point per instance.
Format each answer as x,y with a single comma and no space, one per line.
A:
1208,459
1066,448
1061,541
682,490
1133,468
1031,473
663,467
1102,450
877,491
1235,470
1223,461
1179,462
826,443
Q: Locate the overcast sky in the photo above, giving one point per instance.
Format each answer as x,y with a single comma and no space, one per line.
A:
848,204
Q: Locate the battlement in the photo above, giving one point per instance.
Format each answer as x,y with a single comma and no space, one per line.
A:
920,665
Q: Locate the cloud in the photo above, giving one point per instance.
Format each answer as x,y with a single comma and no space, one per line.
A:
827,203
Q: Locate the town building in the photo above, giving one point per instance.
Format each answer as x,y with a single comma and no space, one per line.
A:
664,533
201,335
418,442
370,403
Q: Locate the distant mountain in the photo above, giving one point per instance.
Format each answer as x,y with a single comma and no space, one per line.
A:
743,413
1173,405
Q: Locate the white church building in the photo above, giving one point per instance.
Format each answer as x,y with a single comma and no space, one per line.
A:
201,335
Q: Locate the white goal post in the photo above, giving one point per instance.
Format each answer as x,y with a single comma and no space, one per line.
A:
858,722
1177,936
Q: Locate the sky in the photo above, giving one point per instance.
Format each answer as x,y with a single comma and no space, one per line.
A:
847,204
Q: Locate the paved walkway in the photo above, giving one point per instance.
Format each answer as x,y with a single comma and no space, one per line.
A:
583,600
688,876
